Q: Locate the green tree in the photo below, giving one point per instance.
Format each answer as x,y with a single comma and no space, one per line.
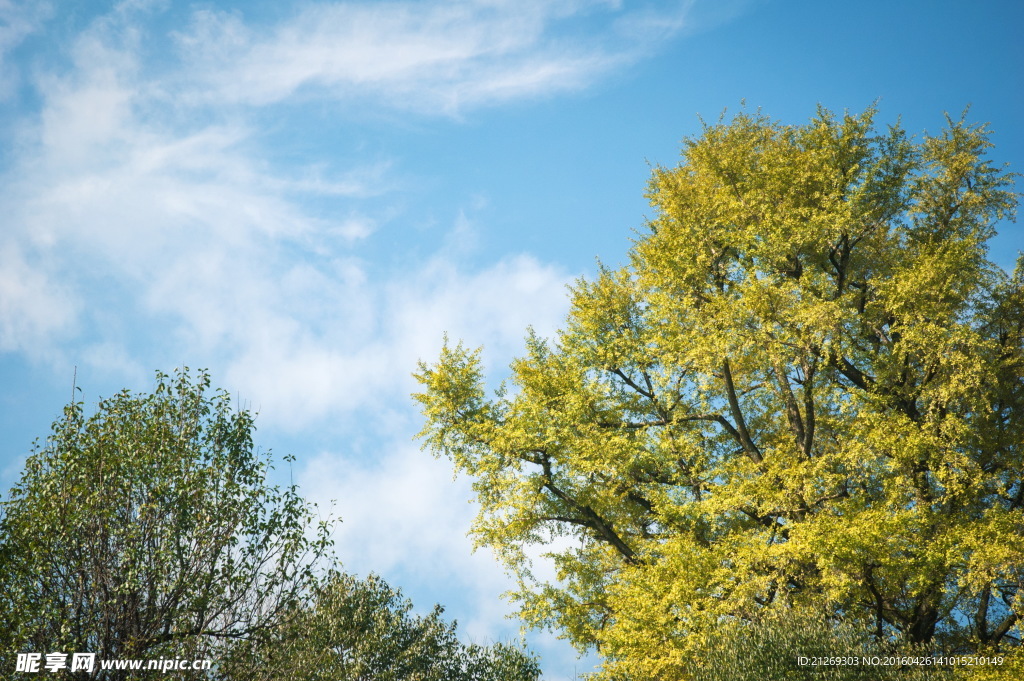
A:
149,530
354,630
770,650
803,391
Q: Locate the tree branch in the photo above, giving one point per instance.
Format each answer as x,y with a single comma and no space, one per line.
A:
596,522
741,427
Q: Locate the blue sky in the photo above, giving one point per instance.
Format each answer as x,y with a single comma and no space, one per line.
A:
303,197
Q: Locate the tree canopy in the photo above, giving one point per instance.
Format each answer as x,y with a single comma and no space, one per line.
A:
149,531
803,391
354,629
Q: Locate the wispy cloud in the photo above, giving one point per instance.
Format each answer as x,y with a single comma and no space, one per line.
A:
111,208
178,239
354,344
433,57
35,309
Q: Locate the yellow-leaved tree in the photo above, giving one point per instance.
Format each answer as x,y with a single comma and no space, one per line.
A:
804,393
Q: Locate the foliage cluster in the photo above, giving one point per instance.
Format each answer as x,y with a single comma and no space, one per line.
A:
805,390
150,530
363,629
770,648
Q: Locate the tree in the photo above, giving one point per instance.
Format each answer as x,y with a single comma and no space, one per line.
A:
355,630
149,530
770,649
803,392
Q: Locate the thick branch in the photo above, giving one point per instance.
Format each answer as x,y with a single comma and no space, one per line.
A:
1004,627
796,422
809,421
855,375
981,616
741,426
596,522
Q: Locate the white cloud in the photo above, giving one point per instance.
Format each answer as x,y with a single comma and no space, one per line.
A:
492,307
322,345
132,180
113,215
439,57
201,252
189,232
35,310
400,504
